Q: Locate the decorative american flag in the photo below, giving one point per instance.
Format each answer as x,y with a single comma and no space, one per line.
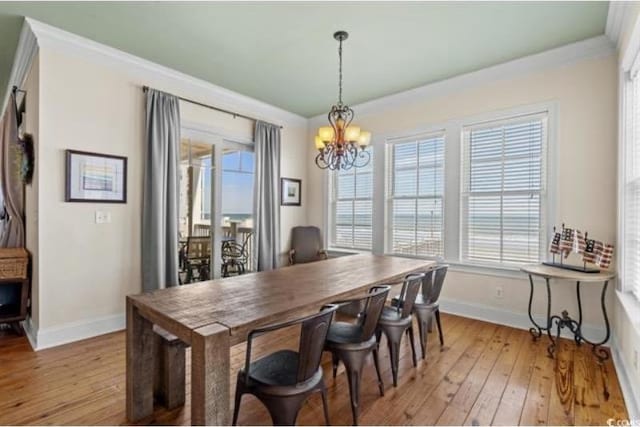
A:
579,242
604,259
566,242
554,247
592,250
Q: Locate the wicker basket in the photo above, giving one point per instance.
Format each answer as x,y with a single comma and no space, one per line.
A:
13,263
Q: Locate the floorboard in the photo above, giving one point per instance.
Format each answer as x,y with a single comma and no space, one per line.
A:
484,374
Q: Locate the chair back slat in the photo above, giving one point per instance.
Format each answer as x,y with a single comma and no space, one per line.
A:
409,292
313,335
427,286
432,293
372,310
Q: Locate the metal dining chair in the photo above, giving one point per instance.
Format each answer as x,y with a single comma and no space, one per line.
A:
283,380
396,321
352,342
426,306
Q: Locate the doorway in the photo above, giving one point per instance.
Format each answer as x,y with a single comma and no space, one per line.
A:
216,178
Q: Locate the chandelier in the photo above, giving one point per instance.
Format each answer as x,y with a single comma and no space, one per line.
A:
341,145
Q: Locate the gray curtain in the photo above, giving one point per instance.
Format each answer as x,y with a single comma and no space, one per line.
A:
161,192
11,183
266,195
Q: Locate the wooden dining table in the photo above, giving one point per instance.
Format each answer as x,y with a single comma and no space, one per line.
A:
212,316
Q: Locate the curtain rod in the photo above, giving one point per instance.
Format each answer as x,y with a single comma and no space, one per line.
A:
211,107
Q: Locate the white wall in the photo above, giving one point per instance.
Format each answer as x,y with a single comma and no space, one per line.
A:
585,95
85,269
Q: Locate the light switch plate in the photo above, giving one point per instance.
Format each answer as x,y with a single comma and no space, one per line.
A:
103,217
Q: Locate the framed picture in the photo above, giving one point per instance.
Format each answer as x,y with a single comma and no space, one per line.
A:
97,178
290,192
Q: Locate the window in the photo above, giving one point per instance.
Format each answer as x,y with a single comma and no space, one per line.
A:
194,211
237,186
415,194
503,191
352,208
631,195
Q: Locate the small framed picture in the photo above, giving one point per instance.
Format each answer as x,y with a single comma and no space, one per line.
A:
97,178
290,192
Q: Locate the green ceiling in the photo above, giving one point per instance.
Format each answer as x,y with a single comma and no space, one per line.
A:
284,53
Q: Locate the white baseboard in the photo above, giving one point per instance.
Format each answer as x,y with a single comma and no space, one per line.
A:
75,331
624,372
30,332
519,320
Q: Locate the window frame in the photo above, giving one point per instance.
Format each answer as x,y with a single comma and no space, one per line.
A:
234,147
389,178
630,65
544,230
332,199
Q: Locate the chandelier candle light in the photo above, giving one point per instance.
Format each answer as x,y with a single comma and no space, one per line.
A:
341,145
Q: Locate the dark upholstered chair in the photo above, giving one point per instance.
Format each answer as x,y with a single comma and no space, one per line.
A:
306,245
283,380
427,307
351,343
396,321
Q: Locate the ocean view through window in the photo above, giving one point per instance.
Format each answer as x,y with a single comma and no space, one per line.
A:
237,188
503,191
415,196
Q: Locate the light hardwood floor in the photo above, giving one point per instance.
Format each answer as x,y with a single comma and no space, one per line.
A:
485,374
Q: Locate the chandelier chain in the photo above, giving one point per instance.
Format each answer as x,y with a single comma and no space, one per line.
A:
340,72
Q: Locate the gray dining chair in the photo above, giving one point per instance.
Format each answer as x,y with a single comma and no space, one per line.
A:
352,342
397,320
283,380
426,306
306,245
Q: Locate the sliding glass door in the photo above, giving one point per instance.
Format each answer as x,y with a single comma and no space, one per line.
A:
216,208
195,210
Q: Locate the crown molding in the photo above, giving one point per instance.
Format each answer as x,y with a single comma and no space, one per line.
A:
595,47
50,37
22,59
615,21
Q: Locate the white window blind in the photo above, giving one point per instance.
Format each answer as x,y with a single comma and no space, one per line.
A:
631,266
503,191
352,207
415,193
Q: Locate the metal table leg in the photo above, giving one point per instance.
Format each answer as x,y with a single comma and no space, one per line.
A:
536,330
565,321
596,347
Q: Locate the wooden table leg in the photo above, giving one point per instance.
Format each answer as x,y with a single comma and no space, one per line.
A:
210,376
140,364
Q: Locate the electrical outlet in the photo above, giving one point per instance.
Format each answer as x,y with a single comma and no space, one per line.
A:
499,292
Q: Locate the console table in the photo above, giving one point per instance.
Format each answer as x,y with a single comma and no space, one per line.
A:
564,320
